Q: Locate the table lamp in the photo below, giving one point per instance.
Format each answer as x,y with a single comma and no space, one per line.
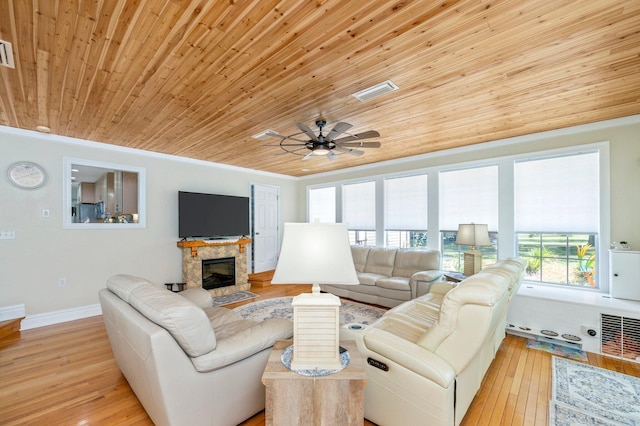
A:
315,253
474,235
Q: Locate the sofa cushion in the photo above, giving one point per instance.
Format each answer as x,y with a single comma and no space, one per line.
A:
199,296
366,278
380,261
480,289
359,254
410,261
186,322
394,283
244,343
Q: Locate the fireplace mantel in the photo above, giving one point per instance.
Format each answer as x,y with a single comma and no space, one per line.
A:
193,245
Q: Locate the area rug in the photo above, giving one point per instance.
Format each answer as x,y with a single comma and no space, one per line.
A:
280,307
584,394
564,351
227,299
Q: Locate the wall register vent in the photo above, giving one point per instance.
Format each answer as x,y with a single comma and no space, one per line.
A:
620,337
375,91
6,54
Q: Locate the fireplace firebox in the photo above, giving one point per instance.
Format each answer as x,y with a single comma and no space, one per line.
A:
218,273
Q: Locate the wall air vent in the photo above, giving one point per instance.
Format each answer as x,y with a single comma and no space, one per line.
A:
6,54
375,91
264,134
620,337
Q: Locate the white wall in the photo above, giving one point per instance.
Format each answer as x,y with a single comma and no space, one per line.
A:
43,251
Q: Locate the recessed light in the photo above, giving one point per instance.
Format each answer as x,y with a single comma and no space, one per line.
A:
305,170
43,129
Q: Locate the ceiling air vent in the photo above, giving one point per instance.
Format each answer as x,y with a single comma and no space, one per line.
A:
375,91
6,54
264,134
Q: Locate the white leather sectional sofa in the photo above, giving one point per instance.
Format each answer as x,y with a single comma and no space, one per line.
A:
389,277
426,358
188,363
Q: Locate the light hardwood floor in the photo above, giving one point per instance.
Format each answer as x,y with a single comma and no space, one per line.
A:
65,374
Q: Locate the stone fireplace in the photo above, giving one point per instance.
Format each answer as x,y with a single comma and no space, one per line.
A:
209,261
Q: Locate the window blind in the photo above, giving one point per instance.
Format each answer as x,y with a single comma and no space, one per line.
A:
559,194
469,196
322,205
405,203
359,205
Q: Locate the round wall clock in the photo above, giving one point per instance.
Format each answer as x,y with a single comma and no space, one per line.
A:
26,175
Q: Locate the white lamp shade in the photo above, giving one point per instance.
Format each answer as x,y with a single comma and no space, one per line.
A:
473,234
315,253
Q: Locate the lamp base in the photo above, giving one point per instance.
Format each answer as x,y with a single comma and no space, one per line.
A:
316,332
472,262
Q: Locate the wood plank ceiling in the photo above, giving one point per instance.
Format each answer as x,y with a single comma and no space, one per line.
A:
199,78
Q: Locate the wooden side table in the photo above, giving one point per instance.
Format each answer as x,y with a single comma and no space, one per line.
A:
294,399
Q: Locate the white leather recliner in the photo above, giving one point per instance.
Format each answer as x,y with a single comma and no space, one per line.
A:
188,363
426,358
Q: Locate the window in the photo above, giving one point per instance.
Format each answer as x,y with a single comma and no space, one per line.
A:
322,205
467,196
405,211
359,212
556,215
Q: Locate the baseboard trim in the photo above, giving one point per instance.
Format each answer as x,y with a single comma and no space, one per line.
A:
12,312
56,317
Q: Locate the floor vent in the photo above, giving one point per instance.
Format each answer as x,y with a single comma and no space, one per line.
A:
620,337
375,91
6,54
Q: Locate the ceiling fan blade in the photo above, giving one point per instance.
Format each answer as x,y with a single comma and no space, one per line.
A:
354,152
308,156
337,130
360,144
359,136
307,131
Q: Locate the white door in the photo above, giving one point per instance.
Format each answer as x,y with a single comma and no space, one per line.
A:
265,211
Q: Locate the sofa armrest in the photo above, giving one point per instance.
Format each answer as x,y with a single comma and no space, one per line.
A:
244,344
421,281
411,356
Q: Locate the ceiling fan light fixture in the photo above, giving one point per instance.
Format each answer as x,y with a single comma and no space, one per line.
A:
321,150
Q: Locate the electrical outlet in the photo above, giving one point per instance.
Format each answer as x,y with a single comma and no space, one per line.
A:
62,282
46,213
7,235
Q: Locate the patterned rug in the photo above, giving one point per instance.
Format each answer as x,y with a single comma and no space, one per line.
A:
232,298
567,352
584,394
280,307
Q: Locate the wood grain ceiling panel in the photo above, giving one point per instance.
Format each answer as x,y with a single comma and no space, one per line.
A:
198,78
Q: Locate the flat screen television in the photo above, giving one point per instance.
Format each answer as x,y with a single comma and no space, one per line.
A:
212,215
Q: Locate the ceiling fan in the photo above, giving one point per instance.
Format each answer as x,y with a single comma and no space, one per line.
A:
325,145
